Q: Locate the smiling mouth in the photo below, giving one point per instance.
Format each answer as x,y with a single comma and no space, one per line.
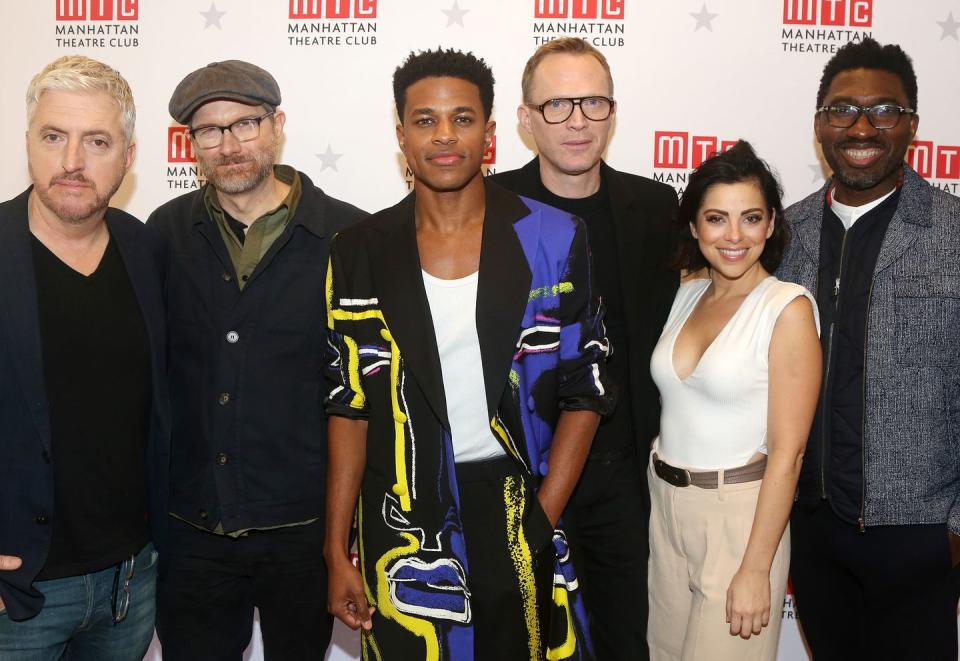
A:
862,156
432,589
732,253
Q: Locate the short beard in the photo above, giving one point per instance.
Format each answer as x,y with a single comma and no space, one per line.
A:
241,182
68,213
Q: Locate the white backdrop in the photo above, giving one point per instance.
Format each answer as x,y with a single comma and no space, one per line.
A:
690,75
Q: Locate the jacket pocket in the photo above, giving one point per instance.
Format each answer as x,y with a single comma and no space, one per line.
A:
927,314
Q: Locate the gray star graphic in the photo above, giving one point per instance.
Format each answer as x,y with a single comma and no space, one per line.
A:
329,159
212,16
817,172
704,18
950,27
455,14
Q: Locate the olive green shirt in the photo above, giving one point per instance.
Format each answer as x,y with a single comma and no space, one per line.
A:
248,246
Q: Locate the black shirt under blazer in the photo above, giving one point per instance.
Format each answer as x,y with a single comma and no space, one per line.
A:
26,471
644,213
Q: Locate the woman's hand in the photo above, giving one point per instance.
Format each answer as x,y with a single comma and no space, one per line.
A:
748,602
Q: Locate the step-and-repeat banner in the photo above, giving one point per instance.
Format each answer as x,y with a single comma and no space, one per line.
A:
691,76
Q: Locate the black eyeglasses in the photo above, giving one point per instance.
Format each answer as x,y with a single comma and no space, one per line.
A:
243,130
881,116
557,111
120,604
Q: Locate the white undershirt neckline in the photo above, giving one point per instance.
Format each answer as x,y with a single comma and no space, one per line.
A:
453,305
848,215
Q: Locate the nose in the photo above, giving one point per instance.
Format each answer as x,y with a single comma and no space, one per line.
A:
444,132
862,127
229,144
74,156
577,119
733,232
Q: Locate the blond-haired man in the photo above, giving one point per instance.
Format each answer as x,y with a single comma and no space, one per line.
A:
82,394
568,108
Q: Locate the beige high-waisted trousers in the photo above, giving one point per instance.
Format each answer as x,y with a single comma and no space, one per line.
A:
697,540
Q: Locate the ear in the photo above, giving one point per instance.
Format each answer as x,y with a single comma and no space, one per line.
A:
914,125
693,230
279,119
523,116
488,132
816,127
773,223
131,156
400,136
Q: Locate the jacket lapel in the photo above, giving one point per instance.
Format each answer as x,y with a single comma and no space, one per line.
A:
630,229
503,289
19,310
911,216
395,263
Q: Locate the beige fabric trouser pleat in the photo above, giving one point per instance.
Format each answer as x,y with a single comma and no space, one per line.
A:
697,540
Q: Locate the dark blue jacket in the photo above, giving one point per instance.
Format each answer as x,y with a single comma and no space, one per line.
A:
246,379
26,471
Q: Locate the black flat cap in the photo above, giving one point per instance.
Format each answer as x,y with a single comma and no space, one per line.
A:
234,80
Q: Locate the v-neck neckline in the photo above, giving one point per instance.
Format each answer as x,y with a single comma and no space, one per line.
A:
726,325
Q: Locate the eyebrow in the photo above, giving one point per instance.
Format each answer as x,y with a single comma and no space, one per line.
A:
871,101
85,134
430,111
727,213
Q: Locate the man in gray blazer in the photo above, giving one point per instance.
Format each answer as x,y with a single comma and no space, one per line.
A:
875,530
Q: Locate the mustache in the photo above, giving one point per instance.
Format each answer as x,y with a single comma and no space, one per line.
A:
74,177
861,144
232,160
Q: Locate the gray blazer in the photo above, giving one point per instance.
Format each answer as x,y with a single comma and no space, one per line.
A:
911,427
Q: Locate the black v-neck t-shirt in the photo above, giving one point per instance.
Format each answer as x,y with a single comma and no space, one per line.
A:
96,366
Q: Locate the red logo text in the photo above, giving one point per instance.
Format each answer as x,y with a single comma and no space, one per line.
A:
490,156
586,9
179,146
934,161
98,10
311,9
681,150
854,13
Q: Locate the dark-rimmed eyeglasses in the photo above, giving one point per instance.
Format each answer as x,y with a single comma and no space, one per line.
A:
559,110
120,603
881,116
243,130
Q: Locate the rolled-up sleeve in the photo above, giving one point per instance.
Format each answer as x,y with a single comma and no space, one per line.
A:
342,357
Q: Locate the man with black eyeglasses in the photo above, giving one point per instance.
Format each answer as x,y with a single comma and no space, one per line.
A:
247,331
568,109
875,529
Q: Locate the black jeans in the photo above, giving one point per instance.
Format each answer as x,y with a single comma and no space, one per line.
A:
209,585
607,522
885,594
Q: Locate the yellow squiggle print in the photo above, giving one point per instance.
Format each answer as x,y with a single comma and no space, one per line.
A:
514,500
566,649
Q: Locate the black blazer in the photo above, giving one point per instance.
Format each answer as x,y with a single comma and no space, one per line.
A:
644,213
26,471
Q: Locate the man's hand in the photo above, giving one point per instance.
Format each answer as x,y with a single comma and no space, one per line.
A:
954,549
345,598
9,563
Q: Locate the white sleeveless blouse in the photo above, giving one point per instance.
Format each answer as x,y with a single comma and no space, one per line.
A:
717,416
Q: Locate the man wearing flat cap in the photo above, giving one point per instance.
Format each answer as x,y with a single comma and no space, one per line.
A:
247,332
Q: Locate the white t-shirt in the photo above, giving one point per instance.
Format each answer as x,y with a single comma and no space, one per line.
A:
453,306
717,416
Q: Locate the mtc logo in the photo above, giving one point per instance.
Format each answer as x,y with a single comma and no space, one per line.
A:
490,156
98,10
588,9
307,9
934,161
680,150
855,13
179,147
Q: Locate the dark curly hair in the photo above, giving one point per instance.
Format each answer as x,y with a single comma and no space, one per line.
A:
738,164
869,54
443,63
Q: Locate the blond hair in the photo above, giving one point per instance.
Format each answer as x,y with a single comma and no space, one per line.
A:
78,73
563,45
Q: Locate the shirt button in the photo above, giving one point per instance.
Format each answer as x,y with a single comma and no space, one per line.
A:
43,519
223,399
233,337
544,467
244,277
222,459
203,514
226,277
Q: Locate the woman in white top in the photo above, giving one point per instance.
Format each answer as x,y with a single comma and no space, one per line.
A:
738,367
